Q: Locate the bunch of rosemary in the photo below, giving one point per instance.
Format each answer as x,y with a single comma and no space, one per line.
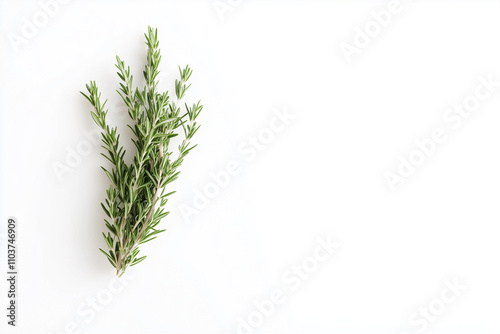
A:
136,197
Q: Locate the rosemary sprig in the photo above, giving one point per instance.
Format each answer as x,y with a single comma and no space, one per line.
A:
135,200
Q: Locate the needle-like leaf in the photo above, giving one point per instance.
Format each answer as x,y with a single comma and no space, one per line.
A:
134,200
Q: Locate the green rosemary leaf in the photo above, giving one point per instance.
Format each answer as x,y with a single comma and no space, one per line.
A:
136,196
138,261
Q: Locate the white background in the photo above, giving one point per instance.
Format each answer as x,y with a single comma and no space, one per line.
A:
322,175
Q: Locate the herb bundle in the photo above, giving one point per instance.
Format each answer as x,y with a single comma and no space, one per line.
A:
135,201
